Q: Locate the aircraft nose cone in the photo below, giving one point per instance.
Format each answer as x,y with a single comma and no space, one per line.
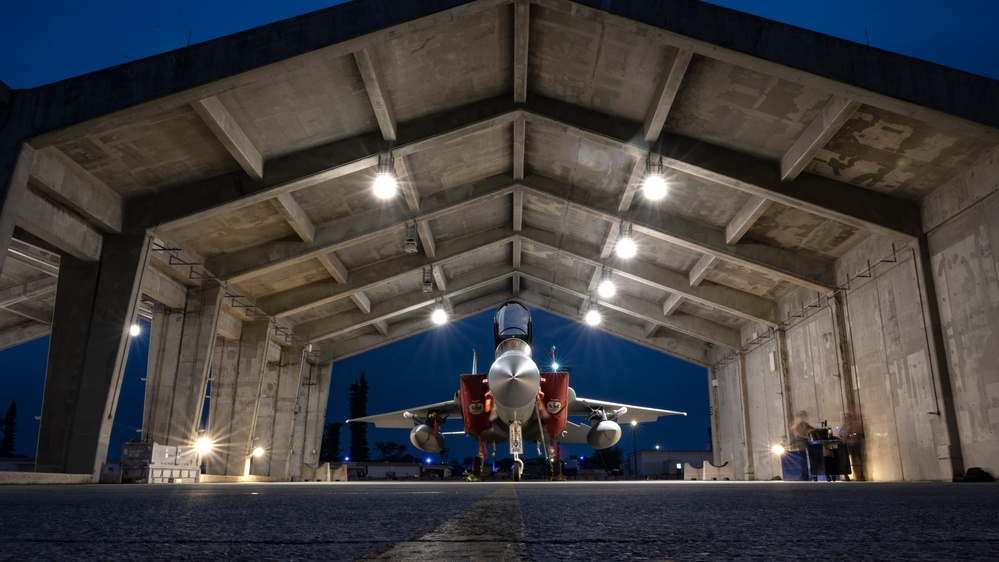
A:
514,380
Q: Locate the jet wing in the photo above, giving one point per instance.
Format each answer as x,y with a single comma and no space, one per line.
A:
584,406
574,433
398,419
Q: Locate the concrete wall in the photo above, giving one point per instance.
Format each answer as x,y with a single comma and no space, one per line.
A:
729,419
964,257
764,391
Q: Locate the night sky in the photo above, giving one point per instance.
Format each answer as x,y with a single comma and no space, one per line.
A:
46,41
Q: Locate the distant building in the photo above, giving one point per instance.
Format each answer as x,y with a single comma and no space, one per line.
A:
666,464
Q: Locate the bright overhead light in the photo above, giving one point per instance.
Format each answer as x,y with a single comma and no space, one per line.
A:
439,316
203,445
258,452
626,247
654,186
592,315
606,288
778,449
134,330
385,182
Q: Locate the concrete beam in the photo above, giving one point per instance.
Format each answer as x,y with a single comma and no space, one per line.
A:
11,193
35,313
406,184
343,349
163,289
426,238
746,218
672,344
611,239
59,227
229,326
334,266
518,250
334,326
521,40
826,124
226,193
66,182
27,291
519,147
362,301
518,208
439,278
13,337
631,187
701,269
634,307
303,298
381,326
781,264
669,85
374,84
855,206
32,256
295,216
650,329
230,134
516,284
672,303
731,301
352,230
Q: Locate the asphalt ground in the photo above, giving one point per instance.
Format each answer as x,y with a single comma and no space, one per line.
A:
502,521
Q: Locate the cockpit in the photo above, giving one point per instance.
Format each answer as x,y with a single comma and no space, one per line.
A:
512,320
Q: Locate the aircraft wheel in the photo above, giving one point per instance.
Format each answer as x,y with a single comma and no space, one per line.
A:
518,470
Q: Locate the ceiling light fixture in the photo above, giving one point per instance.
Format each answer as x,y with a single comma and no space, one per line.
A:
409,243
626,247
439,316
606,288
385,182
428,281
654,187
592,315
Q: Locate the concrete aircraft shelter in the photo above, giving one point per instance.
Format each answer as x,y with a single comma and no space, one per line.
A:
829,241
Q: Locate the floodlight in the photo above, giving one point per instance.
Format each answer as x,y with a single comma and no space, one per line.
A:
654,186
385,183
592,315
439,316
626,247
606,288
203,445
134,330
258,452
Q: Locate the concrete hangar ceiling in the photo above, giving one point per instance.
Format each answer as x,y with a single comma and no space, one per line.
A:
520,133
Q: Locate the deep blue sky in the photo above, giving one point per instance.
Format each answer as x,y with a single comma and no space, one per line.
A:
46,41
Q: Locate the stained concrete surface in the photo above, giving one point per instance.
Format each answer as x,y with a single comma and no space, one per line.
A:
502,521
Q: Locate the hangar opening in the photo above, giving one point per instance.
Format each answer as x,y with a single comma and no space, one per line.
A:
812,229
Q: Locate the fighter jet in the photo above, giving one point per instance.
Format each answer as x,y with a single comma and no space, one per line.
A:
515,403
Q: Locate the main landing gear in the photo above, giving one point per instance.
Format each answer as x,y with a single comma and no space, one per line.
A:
517,449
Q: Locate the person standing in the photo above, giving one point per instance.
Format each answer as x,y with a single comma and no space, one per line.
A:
800,440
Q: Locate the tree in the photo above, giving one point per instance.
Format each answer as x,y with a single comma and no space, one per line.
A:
330,450
9,439
389,451
358,408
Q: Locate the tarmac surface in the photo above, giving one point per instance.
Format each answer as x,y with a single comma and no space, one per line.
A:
502,521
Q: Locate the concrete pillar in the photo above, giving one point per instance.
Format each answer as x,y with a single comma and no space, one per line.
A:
276,413
181,345
310,416
235,398
96,304
746,455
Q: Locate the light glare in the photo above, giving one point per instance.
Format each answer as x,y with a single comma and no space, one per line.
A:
626,248
258,452
593,318
439,316
134,330
203,445
778,450
655,187
385,185
555,367
606,289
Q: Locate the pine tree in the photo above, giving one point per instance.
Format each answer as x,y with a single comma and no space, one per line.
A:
358,408
9,440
